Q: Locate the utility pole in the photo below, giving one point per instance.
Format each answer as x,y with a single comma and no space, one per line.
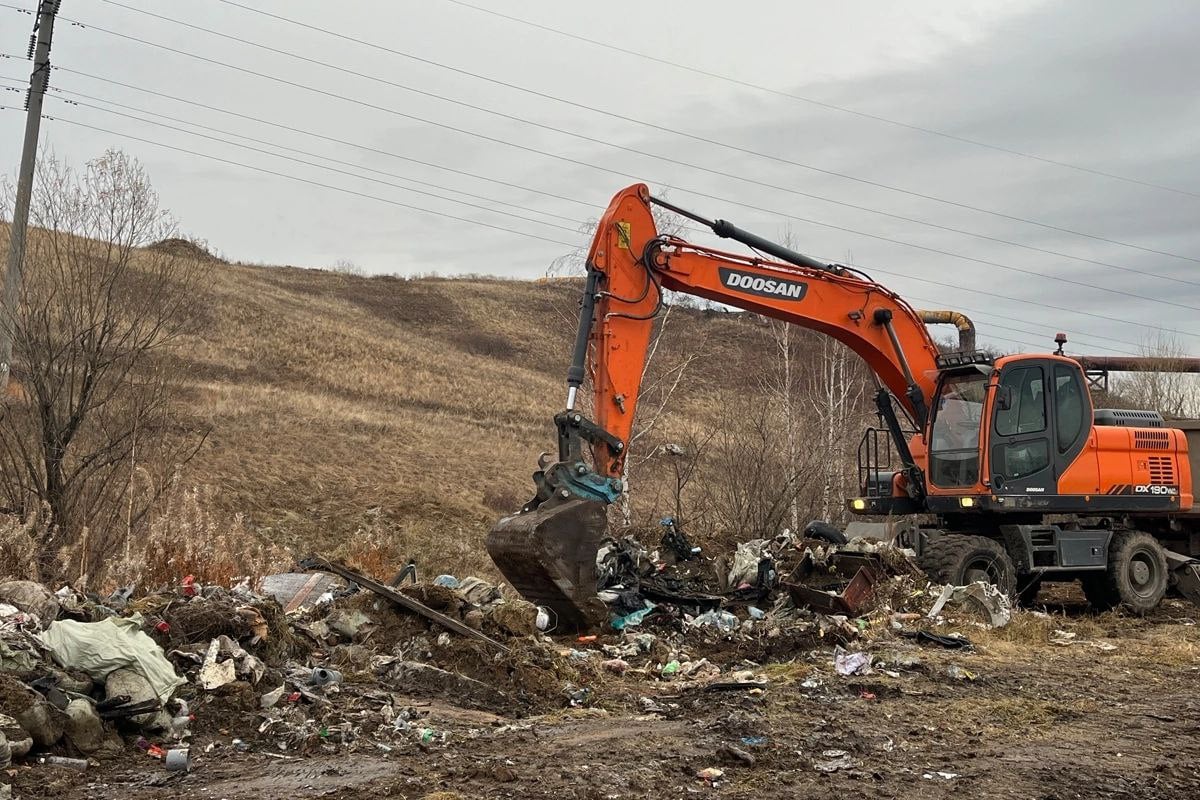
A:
39,80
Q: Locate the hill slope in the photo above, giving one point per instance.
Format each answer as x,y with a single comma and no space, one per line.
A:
349,411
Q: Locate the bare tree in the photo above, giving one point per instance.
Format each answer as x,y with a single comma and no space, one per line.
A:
347,267
835,392
750,485
779,385
1163,387
661,378
818,387
97,314
685,462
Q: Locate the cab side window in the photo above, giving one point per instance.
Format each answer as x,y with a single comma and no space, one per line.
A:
1068,407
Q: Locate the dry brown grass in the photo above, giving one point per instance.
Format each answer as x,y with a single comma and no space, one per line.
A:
1014,716
382,419
191,535
376,418
787,672
1033,630
19,540
1119,639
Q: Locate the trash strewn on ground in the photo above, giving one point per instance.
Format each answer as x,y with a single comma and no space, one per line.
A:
332,661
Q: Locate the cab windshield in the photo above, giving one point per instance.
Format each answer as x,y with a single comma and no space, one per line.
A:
954,440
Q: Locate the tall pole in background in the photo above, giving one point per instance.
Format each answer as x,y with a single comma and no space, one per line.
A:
39,80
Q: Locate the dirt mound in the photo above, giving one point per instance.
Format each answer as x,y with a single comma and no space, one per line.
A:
533,674
185,248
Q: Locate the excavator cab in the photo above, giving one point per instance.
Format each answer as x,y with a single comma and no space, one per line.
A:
1020,435
1013,426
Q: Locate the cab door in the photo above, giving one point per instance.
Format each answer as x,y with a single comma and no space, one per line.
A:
1020,454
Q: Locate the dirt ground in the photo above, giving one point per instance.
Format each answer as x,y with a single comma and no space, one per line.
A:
1114,713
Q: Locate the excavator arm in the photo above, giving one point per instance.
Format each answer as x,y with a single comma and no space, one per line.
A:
548,550
630,264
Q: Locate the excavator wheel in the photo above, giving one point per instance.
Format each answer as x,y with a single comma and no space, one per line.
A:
549,557
958,559
1136,577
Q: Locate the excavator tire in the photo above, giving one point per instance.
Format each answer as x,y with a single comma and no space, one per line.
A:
549,557
1136,576
959,559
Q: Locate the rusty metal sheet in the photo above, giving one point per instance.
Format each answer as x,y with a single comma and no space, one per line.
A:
849,563
849,601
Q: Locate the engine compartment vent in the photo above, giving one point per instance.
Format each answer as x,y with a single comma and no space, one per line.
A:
1129,418
1162,470
1151,440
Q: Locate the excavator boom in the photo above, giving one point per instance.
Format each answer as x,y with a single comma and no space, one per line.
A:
547,551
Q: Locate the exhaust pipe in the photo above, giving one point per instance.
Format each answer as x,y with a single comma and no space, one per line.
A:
966,328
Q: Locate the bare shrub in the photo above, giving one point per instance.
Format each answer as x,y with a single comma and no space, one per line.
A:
347,267
749,482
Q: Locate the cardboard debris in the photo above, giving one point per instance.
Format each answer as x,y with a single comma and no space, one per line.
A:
214,674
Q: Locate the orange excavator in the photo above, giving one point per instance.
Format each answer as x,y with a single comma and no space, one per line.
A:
1023,481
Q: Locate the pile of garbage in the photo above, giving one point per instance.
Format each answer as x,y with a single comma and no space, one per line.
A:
329,659
677,614
815,583
297,663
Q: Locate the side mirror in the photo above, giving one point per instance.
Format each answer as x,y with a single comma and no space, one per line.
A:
1004,397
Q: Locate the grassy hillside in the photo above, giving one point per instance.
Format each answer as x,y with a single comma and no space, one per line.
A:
349,412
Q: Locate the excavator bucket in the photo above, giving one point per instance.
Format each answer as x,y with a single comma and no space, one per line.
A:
549,556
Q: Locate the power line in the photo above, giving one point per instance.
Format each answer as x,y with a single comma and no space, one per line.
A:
729,175
677,132
357,145
823,104
690,191
302,180
339,141
871,268
901,275
404,205
573,229
958,288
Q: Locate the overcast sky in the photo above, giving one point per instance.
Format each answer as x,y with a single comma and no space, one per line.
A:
1105,85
